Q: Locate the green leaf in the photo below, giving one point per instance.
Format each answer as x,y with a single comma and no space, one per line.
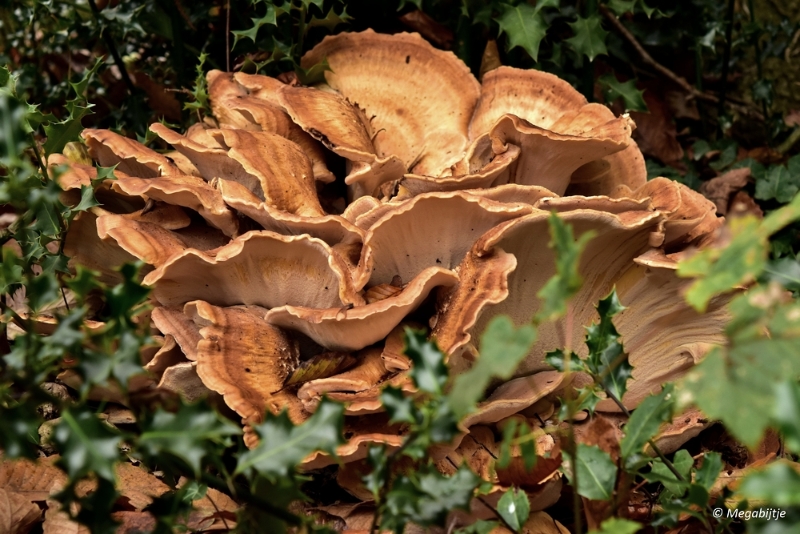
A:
558,360
631,96
779,183
200,90
61,133
190,434
596,472
523,26
417,3
645,421
607,358
567,280
19,430
331,20
429,371
615,525
785,271
589,37
786,413
709,471
721,270
502,347
426,497
270,18
479,527
10,271
399,407
86,445
682,462
778,485
88,199
514,507
620,7
283,446
314,74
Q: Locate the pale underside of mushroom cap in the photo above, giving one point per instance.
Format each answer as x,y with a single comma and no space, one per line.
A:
130,156
422,115
358,327
187,191
261,268
430,230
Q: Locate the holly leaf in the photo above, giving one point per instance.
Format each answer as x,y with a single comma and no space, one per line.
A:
429,371
86,444
399,407
589,37
615,525
331,20
283,445
620,7
270,18
189,435
60,133
645,421
778,183
631,96
567,280
524,27
596,472
607,358
514,507
502,347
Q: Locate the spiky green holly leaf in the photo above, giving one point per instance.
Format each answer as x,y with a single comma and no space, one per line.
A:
86,444
620,7
524,27
631,96
596,472
417,3
399,407
514,507
567,281
314,74
589,37
331,19
10,271
200,90
607,358
429,371
558,360
426,497
778,183
283,445
502,347
191,434
617,525
270,18
645,421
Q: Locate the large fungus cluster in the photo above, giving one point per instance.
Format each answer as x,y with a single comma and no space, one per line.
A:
274,283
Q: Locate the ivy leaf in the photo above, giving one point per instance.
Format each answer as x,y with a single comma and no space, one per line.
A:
86,445
615,525
778,485
589,37
284,445
645,421
429,371
631,96
567,280
607,358
190,434
514,507
524,27
596,472
502,347
778,183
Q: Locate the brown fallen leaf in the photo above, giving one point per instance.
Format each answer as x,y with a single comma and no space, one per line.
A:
743,204
17,513
431,30
655,131
35,481
57,521
138,486
719,190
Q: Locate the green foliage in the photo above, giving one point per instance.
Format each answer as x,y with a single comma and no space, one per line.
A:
616,525
645,421
632,98
589,38
514,507
596,472
200,91
780,182
524,26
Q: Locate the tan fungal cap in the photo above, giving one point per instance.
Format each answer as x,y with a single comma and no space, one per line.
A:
418,100
131,157
172,322
147,241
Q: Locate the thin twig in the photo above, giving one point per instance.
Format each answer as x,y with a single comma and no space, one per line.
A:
228,36
112,49
648,59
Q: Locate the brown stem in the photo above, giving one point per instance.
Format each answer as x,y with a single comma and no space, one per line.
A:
228,36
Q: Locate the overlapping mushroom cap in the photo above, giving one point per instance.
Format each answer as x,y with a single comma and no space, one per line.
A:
271,290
